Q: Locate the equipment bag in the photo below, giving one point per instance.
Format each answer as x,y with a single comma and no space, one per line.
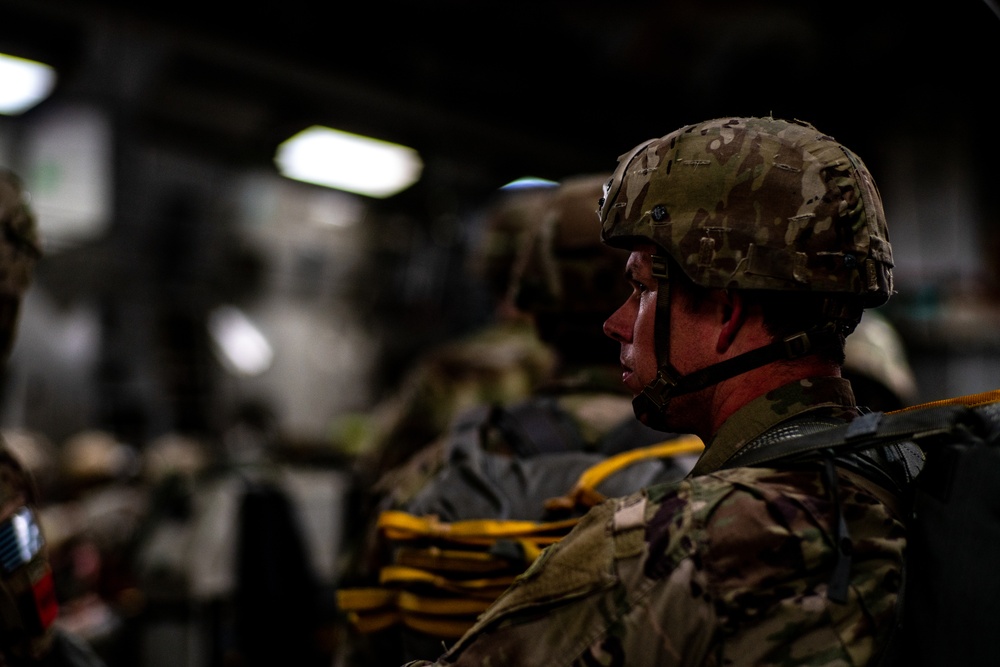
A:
951,592
442,574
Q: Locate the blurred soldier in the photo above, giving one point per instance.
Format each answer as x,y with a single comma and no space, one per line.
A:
502,461
755,244
225,557
502,361
29,631
19,252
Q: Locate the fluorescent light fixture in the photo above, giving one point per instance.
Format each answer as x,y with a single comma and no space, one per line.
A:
526,182
350,162
23,84
238,344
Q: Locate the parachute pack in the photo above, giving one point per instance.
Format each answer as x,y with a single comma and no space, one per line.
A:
439,575
951,590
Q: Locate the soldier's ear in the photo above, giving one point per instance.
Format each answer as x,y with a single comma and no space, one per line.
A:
732,317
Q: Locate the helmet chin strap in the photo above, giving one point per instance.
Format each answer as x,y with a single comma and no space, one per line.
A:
652,404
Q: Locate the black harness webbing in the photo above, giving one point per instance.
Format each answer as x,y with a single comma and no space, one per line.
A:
922,427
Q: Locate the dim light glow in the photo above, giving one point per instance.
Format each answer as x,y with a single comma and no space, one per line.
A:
349,162
239,345
23,84
526,182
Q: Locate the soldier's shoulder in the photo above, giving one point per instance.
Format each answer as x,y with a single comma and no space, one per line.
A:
703,492
702,506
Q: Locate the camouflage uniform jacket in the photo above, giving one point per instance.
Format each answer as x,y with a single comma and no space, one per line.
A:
730,567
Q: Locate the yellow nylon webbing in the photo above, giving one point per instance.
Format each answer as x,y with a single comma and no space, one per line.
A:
422,604
367,623
971,400
445,628
398,525
365,599
584,492
398,574
456,560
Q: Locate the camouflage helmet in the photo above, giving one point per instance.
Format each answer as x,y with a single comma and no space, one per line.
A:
20,247
755,203
502,228
751,204
19,251
565,277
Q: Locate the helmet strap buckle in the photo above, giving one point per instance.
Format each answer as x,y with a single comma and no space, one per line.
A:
650,405
797,345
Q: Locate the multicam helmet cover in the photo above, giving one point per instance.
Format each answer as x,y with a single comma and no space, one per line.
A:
20,247
755,203
751,204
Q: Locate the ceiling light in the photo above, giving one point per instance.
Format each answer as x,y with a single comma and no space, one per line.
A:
528,182
350,162
23,84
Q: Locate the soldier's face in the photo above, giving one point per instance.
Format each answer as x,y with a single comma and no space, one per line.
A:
632,324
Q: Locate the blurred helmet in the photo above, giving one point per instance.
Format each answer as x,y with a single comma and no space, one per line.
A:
565,277
20,249
28,606
93,457
507,221
877,365
755,203
173,454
